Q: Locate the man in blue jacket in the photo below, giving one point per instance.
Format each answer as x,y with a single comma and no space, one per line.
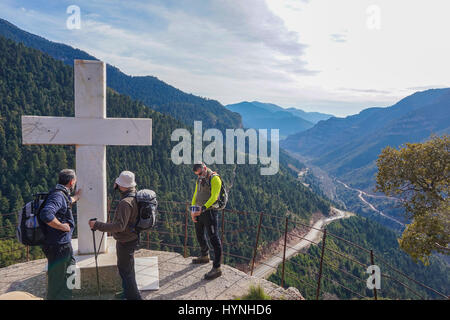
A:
58,226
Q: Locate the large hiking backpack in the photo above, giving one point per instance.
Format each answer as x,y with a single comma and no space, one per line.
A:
29,230
222,200
147,210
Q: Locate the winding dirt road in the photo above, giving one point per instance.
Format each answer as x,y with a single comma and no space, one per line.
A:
360,196
271,264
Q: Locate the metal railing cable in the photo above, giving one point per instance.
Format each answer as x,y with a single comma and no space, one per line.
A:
341,285
180,229
409,278
301,280
402,284
347,257
343,271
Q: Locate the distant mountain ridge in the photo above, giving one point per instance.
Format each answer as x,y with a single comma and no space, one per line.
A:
313,117
348,147
153,92
267,115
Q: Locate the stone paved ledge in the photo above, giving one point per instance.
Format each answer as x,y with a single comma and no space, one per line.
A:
179,280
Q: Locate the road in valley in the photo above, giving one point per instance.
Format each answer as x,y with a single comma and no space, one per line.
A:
360,195
271,264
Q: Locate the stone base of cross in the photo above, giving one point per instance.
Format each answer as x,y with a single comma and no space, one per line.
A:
90,131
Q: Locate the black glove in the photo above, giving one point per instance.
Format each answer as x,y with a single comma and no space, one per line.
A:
94,228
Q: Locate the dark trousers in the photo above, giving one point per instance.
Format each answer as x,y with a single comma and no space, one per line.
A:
209,221
60,257
125,264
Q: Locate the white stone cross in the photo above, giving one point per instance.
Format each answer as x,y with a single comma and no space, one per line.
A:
90,131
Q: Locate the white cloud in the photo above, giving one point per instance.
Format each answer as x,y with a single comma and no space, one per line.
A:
380,66
215,55
317,55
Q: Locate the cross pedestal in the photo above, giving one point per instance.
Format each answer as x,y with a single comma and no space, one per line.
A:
90,131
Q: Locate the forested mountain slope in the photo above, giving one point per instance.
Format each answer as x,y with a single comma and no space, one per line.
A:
153,92
348,147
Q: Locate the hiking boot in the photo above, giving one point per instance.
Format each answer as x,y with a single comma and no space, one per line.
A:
200,260
214,273
119,295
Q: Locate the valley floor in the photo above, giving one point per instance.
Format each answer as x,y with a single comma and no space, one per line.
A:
361,195
270,265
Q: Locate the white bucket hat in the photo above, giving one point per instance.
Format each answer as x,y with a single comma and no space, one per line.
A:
126,179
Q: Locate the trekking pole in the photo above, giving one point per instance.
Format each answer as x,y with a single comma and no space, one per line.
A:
101,240
108,212
95,254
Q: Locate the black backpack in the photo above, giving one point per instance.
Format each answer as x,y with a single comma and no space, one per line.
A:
30,229
147,209
221,202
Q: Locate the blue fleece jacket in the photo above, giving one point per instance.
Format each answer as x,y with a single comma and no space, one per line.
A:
57,206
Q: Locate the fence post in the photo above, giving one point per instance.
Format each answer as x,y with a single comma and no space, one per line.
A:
28,253
321,263
372,263
284,252
185,230
256,242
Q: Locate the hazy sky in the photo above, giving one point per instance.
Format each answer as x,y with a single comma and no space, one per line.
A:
335,56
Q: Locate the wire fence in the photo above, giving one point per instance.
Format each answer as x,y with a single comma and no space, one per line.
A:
175,231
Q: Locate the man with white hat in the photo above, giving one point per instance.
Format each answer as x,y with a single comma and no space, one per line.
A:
122,229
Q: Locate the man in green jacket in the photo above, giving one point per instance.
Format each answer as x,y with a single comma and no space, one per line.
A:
207,191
